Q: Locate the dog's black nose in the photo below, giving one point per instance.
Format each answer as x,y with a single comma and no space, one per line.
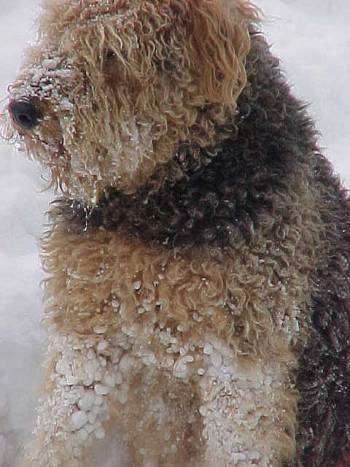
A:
24,113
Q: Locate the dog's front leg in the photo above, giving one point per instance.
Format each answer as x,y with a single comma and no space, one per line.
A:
82,378
248,410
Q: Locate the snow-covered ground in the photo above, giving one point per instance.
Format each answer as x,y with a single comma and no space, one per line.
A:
313,39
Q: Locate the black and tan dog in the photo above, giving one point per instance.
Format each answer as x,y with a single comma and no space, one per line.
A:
197,291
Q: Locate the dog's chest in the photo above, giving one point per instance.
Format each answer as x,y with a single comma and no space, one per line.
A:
104,282
130,315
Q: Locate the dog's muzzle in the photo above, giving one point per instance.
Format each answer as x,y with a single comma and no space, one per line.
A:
24,113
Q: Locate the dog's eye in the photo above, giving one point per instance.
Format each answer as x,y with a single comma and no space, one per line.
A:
108,55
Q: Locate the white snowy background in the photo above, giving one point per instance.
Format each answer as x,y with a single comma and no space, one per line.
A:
312,37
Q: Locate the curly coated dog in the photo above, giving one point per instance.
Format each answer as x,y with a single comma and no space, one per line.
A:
197,293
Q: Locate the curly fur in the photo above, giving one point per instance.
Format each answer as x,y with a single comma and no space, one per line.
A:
200,250
146,77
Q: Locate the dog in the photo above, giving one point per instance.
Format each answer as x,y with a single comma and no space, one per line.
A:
197,292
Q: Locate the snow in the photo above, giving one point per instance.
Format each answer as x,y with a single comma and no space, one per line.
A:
313,40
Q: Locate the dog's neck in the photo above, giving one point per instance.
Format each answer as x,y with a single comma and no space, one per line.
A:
216,197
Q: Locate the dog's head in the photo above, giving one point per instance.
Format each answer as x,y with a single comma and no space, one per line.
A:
112,88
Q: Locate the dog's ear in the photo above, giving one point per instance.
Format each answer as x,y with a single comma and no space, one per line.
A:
218,41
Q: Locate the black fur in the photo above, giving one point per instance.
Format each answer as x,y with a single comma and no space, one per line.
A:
216,197
324,375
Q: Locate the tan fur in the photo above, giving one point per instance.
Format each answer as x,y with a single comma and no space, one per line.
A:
229,289
210,333
147,109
